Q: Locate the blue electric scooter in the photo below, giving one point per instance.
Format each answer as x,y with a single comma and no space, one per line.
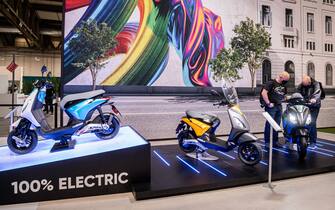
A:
297,121
79,108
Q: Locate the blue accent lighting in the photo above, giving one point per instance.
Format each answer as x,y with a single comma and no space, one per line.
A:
87,144
231,157
262,162
212,167
321,153
326,143
188,165
326,150
160,157
278,150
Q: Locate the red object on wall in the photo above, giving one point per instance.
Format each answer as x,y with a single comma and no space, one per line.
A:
12,66
75,4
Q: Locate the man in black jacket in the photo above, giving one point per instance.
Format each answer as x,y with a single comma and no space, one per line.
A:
273,93
310,89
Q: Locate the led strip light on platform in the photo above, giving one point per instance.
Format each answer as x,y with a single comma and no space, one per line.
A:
161,158
326,143
188,165
263,162
278,150
225,154
212,167
326,150
321,153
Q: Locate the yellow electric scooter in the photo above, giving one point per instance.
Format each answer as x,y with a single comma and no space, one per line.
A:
196,131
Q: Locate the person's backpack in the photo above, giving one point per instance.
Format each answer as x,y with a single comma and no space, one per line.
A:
323,94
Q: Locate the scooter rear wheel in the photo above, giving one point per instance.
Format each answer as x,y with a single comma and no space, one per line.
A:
250,153
185,134
29,142
113,130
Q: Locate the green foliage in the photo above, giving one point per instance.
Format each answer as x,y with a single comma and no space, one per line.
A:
27,87
251,40
56,82
90,45
248,45
226,65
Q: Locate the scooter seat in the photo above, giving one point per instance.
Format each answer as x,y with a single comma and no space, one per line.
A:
201,116
79,96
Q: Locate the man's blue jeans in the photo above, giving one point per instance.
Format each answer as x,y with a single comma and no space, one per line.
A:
276,113
314,115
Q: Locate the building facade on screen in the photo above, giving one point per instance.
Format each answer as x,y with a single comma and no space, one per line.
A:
169,43
302,39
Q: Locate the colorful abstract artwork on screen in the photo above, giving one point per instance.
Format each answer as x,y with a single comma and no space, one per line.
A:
150,34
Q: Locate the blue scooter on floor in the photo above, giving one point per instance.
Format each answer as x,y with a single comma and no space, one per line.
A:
79,108
297,124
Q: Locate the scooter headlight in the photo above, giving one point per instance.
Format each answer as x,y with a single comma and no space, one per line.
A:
309,119
293,119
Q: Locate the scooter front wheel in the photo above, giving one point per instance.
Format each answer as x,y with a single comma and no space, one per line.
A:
302,147
250,153
113,127
22,145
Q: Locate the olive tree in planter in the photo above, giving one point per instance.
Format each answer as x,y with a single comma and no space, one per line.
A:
90,44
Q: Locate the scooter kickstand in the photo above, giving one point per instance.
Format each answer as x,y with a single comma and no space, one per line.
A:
197,151
201,154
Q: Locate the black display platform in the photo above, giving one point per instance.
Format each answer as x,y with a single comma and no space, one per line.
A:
92,167
173,173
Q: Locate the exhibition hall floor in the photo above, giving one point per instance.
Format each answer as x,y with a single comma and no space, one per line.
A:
310,192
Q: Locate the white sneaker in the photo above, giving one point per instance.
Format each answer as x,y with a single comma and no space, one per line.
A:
293,147
312,146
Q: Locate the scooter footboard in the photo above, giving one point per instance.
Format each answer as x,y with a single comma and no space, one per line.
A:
246,137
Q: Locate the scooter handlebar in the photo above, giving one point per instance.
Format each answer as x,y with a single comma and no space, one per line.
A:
299,103
221,103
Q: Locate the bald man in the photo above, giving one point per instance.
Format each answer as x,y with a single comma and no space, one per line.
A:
273,93
310,89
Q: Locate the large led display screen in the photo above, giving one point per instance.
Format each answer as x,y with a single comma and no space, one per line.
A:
170,42
159,43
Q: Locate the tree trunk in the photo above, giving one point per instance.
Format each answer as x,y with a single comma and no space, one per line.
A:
252,75
253,80
94,75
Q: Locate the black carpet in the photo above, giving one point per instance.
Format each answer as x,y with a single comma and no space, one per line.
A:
173,173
